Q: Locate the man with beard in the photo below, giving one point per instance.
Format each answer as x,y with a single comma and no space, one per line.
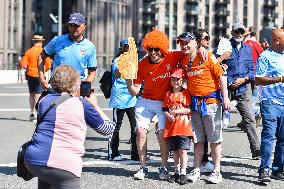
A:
240,74
72,49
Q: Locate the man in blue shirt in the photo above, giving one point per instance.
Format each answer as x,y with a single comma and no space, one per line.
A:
270,75
240,73
72,49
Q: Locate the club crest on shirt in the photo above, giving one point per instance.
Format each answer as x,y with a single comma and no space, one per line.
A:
82,52
168,66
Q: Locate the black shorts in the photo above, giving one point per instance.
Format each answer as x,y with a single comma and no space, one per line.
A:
34,85
179,142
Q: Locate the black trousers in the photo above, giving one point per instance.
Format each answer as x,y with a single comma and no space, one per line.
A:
118,115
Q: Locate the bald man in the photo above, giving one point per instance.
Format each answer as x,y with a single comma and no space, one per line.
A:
269,74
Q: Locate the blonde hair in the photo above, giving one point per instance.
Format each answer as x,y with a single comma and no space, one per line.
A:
64,79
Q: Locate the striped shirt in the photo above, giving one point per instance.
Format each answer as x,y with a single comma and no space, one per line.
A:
271,64
59,139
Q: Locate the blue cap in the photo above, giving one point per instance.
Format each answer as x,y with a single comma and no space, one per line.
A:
77,18
187,37
124,41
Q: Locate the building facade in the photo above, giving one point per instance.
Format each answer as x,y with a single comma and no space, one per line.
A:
10,33
110,20
216,16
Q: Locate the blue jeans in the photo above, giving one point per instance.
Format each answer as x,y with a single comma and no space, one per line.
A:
273,126
255,100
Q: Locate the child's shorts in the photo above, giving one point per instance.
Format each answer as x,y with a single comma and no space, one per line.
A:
179,142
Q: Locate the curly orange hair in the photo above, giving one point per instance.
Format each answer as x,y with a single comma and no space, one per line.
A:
156,39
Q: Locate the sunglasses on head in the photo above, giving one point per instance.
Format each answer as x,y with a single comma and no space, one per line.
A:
153,49
207,38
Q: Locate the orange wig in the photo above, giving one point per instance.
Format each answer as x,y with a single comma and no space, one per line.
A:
156,39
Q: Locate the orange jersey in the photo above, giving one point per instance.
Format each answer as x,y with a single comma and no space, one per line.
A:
181,126
203,77
30,61
156,77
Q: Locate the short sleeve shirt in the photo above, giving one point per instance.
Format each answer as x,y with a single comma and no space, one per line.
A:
271,64
203,77
80,55
181,126
156,77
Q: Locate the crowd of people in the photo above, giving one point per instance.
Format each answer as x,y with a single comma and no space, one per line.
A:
195,88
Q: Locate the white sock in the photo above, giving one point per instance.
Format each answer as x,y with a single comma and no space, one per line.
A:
183,171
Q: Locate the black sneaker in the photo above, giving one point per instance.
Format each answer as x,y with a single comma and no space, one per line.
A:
174,178
135,157
277,175
264,176
255,155
183,179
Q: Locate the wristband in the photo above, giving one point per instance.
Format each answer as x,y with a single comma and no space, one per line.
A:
281,79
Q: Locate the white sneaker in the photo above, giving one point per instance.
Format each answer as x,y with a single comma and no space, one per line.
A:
141,173
215,177
117,158
194,175
207,167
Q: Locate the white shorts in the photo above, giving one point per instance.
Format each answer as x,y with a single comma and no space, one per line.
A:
145,110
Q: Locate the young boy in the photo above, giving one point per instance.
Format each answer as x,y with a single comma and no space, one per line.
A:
178,130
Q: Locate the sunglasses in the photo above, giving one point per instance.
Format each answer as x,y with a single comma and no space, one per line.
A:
153,49
207,38
239,31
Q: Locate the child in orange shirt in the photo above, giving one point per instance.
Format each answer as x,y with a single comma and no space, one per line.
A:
178,129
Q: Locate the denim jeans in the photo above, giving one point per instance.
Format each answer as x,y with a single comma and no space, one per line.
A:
273,126
255,100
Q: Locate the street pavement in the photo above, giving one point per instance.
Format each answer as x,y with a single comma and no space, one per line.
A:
238,170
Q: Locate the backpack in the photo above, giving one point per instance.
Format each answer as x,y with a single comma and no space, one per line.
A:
106,83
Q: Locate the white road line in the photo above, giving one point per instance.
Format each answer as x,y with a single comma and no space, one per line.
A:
27,94
130,162
26,109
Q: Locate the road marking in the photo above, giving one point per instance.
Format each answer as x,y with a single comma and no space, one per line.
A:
27,94
131,162
26,109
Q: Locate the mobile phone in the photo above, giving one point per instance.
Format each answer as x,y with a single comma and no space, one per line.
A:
85,89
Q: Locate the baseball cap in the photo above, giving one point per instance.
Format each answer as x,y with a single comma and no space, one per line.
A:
77,18
38,38
178,73
238,26
124,41
187,37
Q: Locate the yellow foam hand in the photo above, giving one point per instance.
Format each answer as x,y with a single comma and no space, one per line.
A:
128,61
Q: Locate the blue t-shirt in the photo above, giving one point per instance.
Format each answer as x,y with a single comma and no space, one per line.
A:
80,55
120,97
270,64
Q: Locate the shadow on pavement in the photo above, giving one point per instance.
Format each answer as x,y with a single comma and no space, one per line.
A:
238,177
13,119
97,138
8,170
238,164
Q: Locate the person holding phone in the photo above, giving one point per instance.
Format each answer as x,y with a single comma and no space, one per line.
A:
55,154
122,102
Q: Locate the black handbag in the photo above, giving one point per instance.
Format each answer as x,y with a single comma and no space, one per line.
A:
22,170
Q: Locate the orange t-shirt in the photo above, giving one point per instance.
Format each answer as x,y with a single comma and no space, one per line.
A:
30,61
203,77
181,126
157,77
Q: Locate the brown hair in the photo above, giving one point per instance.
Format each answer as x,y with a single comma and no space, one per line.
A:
64,79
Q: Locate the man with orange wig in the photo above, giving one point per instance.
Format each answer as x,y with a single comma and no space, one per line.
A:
154,70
